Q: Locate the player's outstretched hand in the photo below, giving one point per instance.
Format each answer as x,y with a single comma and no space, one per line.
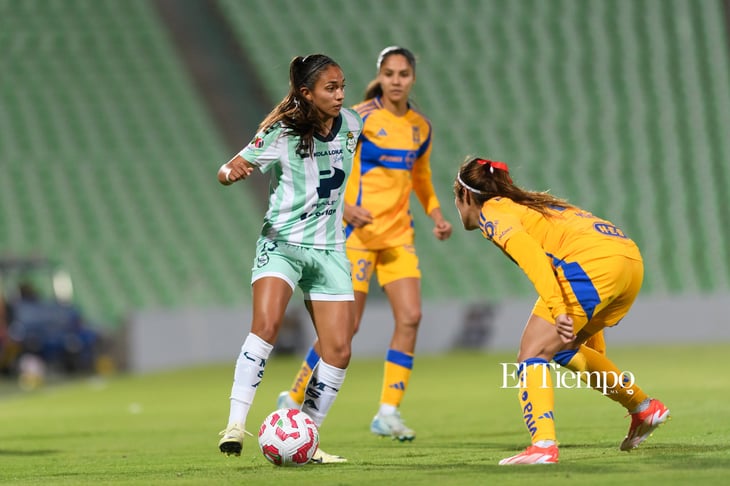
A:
234,170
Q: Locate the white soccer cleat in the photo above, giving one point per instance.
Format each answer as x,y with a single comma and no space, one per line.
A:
392,425
285,401
231,442
321,457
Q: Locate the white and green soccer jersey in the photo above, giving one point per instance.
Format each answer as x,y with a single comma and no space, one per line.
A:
306,193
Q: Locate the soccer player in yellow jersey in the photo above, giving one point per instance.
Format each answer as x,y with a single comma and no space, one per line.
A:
394,154
587,273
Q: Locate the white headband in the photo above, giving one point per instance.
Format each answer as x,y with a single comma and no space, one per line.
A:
467,187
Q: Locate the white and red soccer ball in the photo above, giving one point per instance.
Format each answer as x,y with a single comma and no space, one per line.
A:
288,437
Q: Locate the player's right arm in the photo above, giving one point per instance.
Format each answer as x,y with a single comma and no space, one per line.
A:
504,228
234,170
357,216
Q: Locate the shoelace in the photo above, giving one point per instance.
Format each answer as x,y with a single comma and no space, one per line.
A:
223,432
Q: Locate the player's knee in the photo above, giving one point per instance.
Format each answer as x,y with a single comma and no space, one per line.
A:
266,328
338,354
267,334
410,318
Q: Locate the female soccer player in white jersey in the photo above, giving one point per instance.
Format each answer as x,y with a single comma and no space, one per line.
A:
307,143
394,153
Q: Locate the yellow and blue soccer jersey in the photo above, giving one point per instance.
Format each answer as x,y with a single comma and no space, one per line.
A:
568,241
393,153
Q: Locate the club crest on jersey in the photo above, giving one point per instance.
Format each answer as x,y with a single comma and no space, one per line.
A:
262,260
351,142
257,142
410,159
417,135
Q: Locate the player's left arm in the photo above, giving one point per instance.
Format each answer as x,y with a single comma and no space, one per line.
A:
423,187
441,227
421,179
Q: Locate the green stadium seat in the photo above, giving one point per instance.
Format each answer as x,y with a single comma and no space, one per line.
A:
602,104
108,156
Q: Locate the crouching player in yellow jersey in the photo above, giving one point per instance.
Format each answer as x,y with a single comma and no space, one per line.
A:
394,156
587,274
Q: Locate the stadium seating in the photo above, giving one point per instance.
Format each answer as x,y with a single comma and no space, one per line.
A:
108,161
108,156
619,106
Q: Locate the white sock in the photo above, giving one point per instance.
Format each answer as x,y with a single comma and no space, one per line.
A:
544,443
322,390
387,409
642,406
247,376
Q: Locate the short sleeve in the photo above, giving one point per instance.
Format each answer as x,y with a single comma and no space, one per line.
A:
265,148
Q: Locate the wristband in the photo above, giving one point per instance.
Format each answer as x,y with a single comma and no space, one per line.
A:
227,172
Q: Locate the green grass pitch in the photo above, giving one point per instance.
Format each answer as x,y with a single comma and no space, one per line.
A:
162,428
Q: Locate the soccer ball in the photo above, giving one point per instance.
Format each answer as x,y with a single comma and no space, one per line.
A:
288,437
